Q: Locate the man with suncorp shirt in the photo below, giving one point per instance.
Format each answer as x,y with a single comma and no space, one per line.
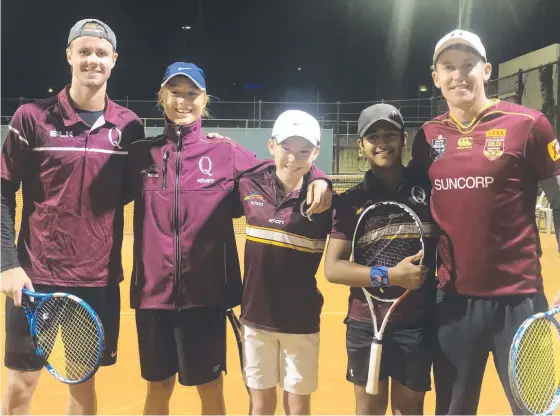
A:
485,159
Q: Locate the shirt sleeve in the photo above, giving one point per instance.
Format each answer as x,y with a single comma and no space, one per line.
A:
7,223
243,159
317,173
344,217
421,159
17,146
543,150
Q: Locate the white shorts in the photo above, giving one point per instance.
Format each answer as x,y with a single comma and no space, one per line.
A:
271,358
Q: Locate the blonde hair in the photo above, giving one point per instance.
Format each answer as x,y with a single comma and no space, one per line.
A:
205,112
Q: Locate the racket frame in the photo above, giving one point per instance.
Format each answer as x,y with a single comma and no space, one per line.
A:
372,386
31,316
513,354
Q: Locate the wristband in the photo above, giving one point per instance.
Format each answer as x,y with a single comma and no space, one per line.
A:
379,276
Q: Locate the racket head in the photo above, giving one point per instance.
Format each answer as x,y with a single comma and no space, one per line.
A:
68,336
385,234
534,364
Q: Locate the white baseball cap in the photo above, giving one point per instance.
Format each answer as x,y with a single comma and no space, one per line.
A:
460,37
298,123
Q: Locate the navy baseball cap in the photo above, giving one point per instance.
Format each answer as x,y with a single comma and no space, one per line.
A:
192,71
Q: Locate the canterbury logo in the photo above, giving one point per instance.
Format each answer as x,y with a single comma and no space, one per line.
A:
465,143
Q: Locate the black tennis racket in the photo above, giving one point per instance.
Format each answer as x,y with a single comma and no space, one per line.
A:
386,233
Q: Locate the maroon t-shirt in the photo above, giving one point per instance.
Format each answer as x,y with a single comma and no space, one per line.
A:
414,192
485,180
282,254
72,222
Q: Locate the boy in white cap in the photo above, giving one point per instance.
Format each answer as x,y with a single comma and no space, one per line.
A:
485,159
281,304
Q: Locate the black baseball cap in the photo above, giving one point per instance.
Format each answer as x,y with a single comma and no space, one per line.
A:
378,112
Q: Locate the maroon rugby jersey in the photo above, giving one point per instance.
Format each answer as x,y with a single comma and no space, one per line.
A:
485,179
414,192
72,222
282,254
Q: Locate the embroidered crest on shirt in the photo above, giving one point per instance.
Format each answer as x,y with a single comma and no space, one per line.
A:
438,147
494,143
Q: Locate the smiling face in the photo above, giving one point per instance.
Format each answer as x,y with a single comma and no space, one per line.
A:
91,60
460,73
293,157
382,145
183,102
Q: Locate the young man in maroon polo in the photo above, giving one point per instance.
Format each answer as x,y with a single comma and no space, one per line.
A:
485,159
68,152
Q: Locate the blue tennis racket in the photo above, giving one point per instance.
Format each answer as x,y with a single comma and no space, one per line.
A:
67,333
534,363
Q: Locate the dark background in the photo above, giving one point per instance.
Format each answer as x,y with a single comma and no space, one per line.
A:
348,50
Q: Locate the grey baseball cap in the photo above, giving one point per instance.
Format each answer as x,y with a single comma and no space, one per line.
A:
378,112
78,31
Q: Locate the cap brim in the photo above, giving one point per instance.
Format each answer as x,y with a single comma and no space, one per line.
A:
186,75
371,123
281,138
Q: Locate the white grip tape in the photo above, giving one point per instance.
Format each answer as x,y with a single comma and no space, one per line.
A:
372,386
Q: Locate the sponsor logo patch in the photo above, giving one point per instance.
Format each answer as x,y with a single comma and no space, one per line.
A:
554,150
465,143
438,147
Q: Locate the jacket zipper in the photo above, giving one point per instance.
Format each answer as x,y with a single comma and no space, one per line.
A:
165,159
177,227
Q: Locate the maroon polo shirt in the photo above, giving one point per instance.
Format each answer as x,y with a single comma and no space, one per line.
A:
72,222
414,192
282,254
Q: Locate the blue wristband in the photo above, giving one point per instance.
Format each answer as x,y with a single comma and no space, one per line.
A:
379,276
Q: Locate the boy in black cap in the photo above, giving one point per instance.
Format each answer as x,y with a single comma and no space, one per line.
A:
407,349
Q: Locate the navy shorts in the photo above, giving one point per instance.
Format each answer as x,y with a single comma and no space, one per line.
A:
406,357
468,329
190,342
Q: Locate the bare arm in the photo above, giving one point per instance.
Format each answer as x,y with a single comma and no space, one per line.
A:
339,270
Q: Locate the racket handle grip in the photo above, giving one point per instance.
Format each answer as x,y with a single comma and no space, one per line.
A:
372,386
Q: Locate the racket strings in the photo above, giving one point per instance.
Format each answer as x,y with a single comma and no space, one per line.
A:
538,366
386,243
68,337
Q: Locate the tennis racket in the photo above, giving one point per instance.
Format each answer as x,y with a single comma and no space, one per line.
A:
236,326
386,233
67,333
534,363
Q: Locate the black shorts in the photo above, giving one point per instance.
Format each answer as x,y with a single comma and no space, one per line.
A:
468,329
406,357
191,342
20,349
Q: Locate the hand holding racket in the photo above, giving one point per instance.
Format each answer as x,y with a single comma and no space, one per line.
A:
388,235
67,333
534,363
13,281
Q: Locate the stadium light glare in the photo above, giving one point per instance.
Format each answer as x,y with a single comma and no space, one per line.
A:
50,90
422,88
185,27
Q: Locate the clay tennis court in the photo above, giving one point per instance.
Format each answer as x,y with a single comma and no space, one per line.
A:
121,390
